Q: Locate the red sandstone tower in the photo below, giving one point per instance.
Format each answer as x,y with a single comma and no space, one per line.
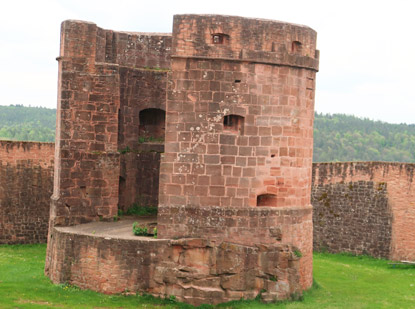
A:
234,99
239,133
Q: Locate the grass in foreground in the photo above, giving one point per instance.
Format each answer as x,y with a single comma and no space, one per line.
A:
343,282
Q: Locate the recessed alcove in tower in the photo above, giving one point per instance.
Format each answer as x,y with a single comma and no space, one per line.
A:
266,200
233,124
220,38
296,47
152,124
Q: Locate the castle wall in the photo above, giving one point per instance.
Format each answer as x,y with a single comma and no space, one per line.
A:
236,115
365,208
140,169
349,199
105,79
239,133
26,175
141,90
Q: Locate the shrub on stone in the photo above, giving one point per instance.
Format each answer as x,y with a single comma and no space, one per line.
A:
139,230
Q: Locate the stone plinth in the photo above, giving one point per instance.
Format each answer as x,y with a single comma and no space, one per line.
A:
107,258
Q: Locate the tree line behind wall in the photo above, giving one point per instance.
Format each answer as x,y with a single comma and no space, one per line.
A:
348,138
336,137
22,123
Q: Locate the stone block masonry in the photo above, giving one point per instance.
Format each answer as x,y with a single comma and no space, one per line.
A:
231,100
239,133
26,177
193,270
365,208
370,204
106,80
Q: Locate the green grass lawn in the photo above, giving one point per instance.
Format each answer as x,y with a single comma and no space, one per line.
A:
342,281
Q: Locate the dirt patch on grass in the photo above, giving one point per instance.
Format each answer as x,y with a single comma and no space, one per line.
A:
36,302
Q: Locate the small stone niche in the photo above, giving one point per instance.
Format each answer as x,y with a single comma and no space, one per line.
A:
220,39
266,200
296,47
233,124
152,124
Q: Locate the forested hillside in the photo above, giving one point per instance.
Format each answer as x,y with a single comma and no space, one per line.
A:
27,123
336,137
348,138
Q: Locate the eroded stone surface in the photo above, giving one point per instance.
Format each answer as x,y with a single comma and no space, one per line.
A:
370,204
237,97
194,270
26,174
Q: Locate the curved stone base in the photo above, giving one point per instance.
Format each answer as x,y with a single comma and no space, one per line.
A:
194,270
245,225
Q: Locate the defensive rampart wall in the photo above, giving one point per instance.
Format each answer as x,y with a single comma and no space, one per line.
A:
361,208
365,208
26,173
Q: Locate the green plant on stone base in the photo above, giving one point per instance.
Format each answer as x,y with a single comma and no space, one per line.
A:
139,230
273,278
298,253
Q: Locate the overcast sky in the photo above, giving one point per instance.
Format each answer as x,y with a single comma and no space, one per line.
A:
367,48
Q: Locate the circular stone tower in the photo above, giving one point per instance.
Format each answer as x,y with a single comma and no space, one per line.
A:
239,133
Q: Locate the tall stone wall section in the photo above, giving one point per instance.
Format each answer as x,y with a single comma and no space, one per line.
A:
239,133
141,89
105,79
26,176
365,208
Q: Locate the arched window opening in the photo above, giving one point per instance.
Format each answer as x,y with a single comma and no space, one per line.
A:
296,47
152,124
220,38
266,200
233,124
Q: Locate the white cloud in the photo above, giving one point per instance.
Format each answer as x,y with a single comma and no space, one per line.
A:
366,47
